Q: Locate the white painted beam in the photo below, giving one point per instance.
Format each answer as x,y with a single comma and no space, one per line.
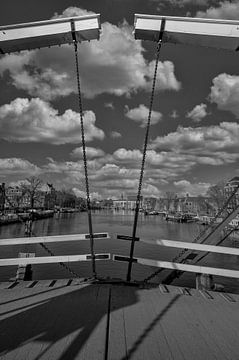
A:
50,239
193,246
221,34
40,34
182,267
52,259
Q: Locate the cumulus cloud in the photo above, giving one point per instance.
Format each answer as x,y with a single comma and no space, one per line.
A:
112,174
162,4
114,65
149,190
140,115
220,137
177,155
10,166
109,105
182,3
34,120
91,152
197,113
225,93
82,194
168,162
123,155
193,189
174,114
223,10
115,134
208,145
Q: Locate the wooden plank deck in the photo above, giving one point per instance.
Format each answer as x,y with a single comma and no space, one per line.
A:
65,319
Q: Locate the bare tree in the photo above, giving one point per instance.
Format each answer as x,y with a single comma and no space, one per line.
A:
217,194
205,204
32,188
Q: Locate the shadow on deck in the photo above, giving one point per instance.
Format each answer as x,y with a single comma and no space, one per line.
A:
112,321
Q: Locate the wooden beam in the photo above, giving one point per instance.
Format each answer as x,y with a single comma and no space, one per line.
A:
221,34
40,34
181,267
193,246
55,238
52,259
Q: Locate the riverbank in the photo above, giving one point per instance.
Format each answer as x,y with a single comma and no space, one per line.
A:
8,219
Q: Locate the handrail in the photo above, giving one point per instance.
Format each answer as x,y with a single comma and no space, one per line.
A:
54,238
193,246
181,267
150,262
51,259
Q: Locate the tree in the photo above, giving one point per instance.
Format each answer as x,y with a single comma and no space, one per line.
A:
32,188
218,195
66,198
204,205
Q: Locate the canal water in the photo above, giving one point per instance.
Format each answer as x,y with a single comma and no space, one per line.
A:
149,227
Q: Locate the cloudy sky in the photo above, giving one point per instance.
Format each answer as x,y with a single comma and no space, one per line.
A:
194,130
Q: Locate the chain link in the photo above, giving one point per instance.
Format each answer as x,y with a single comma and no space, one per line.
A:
143,161
85,159
72,272
148,122
202,233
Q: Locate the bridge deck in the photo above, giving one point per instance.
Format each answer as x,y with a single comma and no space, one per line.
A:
71,320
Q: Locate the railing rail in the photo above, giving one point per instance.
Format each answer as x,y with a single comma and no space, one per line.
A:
23,261
107,256
50,239
181,267
191,246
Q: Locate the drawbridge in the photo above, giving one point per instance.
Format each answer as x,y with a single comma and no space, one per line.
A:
97,318
220,34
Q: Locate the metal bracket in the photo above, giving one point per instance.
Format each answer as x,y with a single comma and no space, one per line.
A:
125,237
73,31
162,28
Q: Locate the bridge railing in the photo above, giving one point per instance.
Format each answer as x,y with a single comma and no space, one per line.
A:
204,274
107,256
23,261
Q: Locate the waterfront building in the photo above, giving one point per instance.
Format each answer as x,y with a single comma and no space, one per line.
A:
230,187
14,197
235,222
106,204
186,204
127,204
149,203
189,204
17,198
120,204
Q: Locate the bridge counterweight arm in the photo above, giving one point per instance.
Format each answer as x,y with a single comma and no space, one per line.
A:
35,35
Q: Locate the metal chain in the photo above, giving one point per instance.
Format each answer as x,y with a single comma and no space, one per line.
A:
85,160
72,272
183,251
143,161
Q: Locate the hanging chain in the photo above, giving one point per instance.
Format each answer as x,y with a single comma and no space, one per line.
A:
85,160
143,162
72,272
183,251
